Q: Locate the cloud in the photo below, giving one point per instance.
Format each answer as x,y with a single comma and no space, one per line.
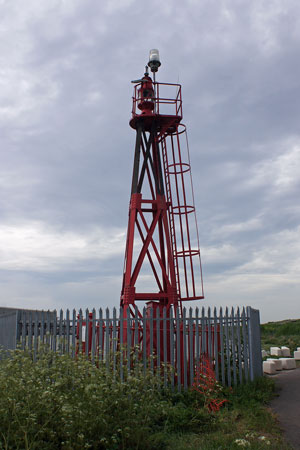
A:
239,227
280,172
35,247
280,254
67,149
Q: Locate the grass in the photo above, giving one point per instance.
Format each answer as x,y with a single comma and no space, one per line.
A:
246,422
276,334
61,403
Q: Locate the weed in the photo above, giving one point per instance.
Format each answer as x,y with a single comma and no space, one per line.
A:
61,403
277,334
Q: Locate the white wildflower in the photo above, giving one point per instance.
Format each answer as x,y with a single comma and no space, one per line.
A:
250,435
263,438
242,442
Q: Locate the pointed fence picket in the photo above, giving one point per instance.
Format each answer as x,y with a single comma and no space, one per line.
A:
155,339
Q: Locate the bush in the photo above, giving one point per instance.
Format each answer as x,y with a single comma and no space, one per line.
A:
61,403
286,332
57,402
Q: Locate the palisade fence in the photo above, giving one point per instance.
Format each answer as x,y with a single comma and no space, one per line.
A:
230,341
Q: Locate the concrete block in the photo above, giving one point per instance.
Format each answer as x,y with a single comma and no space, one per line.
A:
297,355
269,367
264,353
288,363
285,351
275,351
277,362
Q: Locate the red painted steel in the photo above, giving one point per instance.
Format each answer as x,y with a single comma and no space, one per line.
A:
162,242
153,326
83,331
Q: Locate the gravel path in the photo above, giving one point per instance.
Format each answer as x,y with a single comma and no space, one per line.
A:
287,405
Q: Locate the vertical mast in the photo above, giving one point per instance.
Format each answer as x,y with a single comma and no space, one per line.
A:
160,245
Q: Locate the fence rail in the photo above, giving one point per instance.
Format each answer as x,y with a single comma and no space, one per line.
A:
229,340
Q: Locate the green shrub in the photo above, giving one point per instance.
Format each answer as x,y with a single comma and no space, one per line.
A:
286,332
285,328
61,403
58,402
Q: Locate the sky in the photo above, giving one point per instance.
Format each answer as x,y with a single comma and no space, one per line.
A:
67,149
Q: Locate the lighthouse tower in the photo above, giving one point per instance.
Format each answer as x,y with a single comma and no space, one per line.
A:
162,265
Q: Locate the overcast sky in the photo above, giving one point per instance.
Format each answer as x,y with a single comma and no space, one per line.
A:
67,148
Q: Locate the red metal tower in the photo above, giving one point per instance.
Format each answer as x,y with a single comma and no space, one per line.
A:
162,237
